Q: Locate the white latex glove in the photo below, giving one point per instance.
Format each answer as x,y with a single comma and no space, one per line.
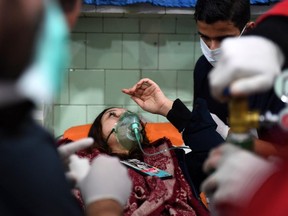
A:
67,150
237,175
222,128
106,179
247,65
78,168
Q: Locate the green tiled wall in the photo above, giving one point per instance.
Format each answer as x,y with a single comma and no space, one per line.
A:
110,53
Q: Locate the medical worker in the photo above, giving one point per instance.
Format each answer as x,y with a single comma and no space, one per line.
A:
243,183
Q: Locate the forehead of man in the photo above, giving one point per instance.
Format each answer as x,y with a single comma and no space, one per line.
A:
217,29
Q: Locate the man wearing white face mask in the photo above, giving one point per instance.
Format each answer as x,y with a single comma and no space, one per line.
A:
213,55
242,182
216,20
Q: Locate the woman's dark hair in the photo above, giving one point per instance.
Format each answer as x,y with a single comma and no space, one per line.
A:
100,142
211,11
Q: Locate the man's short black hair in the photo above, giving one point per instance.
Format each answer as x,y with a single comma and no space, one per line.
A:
211,11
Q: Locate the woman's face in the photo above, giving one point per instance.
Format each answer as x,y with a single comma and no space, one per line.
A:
108,121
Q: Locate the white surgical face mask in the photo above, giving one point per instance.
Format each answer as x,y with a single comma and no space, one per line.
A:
211,55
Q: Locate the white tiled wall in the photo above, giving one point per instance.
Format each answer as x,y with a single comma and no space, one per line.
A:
110,53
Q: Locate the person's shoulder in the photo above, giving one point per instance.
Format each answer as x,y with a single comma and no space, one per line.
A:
202,63
202,59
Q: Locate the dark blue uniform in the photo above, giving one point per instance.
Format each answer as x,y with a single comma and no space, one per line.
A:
199,133
32,178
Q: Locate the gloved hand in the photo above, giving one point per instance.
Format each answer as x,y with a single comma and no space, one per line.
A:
65,151
237,175
248,64
148,95
222,128
106,179
78,168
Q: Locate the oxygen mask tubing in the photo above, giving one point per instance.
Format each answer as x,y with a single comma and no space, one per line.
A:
128,133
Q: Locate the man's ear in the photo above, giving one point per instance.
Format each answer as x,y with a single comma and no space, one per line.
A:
72,10
250,25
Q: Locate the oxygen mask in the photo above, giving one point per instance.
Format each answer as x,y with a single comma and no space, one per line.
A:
128,130
128,133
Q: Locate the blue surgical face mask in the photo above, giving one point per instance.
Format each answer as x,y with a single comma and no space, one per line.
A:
42,79
211,55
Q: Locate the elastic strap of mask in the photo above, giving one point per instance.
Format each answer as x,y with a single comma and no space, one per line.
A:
243,30
112,131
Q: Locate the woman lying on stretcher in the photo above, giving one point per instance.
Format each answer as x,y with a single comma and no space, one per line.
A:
151,194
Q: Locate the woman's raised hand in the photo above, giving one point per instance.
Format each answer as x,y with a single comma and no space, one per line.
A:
149,96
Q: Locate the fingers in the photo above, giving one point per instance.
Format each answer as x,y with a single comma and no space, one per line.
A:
143,84
139,87
138,101
71,178
70,148
212,161
218,155
127,91
211,166
79,167
209,186
108,178
246,86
